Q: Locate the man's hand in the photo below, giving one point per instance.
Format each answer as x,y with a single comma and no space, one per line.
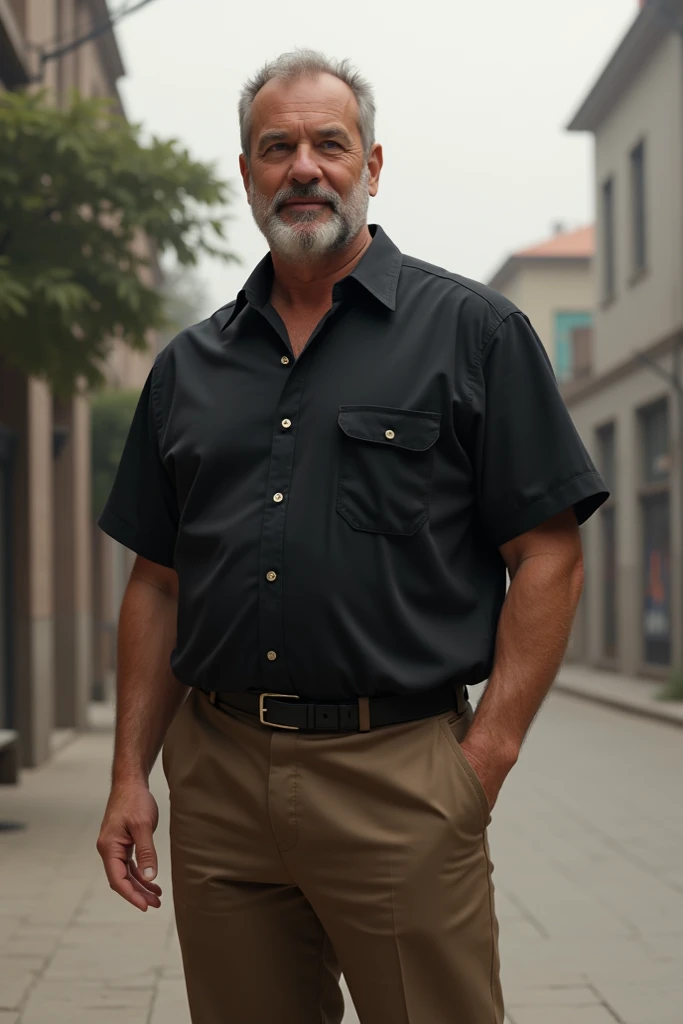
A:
129,822
490,768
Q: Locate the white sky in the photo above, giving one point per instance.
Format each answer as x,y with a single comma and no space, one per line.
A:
473,98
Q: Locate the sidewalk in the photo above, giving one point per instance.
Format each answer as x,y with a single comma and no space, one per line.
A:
627,693
589,881
71,952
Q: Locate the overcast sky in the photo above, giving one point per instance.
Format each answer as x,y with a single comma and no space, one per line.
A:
473,98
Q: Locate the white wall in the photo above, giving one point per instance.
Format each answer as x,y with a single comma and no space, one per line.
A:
652,109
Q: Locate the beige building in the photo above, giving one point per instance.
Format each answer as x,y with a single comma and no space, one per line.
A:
629,411
553,283
60,580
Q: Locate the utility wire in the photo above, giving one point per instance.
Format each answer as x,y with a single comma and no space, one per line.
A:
99,30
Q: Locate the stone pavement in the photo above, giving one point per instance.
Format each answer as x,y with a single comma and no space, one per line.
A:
587,839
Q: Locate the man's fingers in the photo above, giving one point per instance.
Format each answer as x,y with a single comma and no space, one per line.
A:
145,854
117,872
149,887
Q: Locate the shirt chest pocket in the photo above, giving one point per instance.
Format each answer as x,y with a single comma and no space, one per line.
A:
385,467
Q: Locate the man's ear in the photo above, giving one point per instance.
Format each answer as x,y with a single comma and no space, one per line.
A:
375,164
246,176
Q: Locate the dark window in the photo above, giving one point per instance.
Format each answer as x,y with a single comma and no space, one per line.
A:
606,439
655,504
657,573
609,584
638,211
608,241
655,434
607,456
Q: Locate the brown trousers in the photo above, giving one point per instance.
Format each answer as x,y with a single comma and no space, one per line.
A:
298,856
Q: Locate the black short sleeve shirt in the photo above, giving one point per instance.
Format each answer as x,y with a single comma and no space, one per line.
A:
335,520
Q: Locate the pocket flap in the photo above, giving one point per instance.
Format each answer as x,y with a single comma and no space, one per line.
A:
400,428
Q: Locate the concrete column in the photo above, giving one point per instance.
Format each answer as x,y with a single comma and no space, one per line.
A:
105,614
73,589
27,408
42,28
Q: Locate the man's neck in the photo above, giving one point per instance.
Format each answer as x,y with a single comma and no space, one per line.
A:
309,285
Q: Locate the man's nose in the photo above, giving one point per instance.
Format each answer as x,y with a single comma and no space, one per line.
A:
305,169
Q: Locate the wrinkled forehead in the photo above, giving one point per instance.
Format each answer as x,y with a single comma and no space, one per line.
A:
306,102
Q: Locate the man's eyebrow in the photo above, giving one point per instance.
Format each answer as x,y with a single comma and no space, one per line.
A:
272,135
334,132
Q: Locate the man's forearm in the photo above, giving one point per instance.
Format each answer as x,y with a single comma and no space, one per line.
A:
533,633
148,694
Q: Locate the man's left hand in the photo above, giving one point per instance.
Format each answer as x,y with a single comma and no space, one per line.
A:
490,769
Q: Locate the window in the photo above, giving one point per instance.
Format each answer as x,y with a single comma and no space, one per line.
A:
638,211
573,345
655,433
608,241
656,532
606,438
607,456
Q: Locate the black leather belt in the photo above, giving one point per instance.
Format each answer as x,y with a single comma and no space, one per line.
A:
287,711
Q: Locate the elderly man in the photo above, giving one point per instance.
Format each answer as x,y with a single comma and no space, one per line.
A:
324,483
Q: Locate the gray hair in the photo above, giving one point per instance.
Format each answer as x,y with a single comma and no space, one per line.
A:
298,64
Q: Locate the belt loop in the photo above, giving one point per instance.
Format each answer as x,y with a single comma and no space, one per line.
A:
212,697
364,714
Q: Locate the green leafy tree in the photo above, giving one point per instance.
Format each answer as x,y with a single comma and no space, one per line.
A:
86,205
111,414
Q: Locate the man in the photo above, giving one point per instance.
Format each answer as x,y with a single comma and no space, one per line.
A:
325,483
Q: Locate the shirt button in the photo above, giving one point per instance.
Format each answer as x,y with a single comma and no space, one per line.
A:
271,655
285,360
390,434
271,576
286,423
278,496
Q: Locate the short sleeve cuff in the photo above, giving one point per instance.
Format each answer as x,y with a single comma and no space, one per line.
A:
151,548
584,493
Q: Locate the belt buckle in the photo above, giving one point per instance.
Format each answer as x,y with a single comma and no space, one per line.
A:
262,710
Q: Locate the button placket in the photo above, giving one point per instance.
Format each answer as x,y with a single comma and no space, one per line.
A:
271,638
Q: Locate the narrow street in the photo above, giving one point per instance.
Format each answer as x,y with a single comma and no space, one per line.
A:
587,841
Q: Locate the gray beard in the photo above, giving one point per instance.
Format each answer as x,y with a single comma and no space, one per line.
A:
308,239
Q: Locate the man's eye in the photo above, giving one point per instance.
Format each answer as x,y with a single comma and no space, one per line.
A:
277,147
330,143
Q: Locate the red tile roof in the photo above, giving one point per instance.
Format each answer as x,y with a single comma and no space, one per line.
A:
578,244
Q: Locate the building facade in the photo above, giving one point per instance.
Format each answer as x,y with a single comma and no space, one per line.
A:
553,283
630,411
60,580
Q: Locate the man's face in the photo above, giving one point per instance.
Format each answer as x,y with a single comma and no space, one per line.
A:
308,181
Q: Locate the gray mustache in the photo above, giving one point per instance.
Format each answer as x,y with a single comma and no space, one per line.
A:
305,192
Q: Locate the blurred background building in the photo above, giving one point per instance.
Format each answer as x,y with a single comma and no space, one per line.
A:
630,411
613,326
61,579
553,283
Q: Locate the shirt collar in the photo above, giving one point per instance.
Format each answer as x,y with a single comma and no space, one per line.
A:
377,271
